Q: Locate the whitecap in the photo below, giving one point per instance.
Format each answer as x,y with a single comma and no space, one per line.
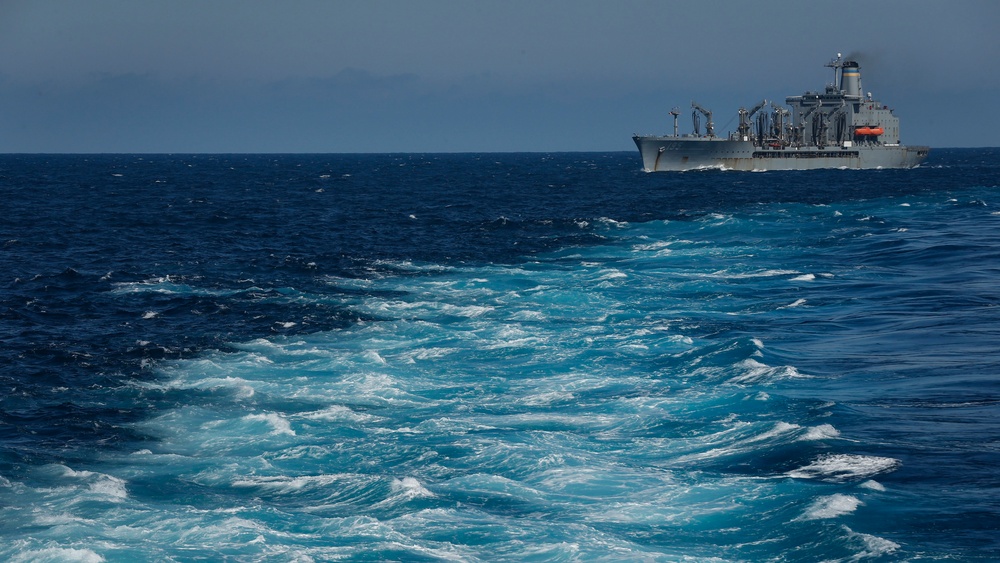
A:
111,488
832,506
281,484
612,274
410,487
845,467
239,387
805,277
108,487
528,316
821,432
337,413
653,246
794,304
756,372
61,554
468,311
872,546
373,356
546,398
754,275
612,222
278,424
873,485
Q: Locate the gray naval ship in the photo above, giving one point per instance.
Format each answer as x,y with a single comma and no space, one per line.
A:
840,127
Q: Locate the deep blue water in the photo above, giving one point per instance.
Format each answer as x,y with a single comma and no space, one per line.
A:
497,357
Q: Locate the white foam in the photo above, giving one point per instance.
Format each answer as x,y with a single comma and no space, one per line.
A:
468,311
612,222
337,413
373,356
242,388
525,315
660,246
612,274
821,432
433,353
832,506
873,546
805,277
794,304
756,372
845,467
546,398
410,488
279,425
108,487
873,485
111,488
749,444
281,484
60,554
758,274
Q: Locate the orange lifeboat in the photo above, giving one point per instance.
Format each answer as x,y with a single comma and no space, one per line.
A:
869,131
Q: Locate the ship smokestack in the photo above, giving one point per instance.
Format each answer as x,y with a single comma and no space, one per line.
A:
850,79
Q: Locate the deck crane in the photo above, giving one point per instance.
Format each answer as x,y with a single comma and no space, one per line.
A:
710,127
744,127
800,128
779,123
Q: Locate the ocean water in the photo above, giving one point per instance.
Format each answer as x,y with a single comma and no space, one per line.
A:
497,357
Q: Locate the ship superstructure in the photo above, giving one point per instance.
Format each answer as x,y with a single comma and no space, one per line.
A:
841,127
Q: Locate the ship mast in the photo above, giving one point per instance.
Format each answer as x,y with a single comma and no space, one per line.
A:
675,112
836,64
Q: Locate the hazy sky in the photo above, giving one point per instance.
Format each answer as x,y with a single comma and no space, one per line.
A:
386,76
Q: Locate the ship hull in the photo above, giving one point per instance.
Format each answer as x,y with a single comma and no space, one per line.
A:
678,154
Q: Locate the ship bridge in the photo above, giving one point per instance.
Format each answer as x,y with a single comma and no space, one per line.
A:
841,116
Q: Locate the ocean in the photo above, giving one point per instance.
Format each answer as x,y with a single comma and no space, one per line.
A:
497,357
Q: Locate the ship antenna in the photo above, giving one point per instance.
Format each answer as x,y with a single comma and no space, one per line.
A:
675,112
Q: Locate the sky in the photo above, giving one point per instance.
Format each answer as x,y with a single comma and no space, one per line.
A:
309,76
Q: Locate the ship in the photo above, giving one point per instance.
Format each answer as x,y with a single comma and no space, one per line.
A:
840,127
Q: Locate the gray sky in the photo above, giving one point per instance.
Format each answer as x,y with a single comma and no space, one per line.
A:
386,76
